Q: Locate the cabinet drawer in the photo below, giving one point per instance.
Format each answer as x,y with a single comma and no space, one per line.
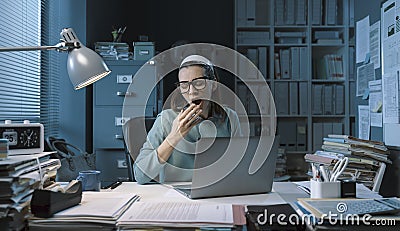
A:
111,164
121,82
107,125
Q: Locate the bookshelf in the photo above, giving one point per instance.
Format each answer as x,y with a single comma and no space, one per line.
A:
305,50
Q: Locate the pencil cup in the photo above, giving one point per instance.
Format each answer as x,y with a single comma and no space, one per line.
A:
325,189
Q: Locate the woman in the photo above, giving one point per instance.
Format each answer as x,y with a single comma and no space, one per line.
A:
168,151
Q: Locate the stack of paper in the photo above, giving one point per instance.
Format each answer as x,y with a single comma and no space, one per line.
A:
112,50
19,176
97,209
176,214
367,159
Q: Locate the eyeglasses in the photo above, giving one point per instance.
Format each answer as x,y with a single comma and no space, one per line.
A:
198,84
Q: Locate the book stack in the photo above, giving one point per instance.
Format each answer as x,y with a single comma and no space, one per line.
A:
113,50
367,159
19,176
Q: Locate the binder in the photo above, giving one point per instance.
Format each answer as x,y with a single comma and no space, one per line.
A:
264,100
261,17
328,100
280,12
303,63
241,13
330,12
303,98
281,97
262,61
251,12
316,10
290,128
352,97
339,99
317,136
351,62
301,132
327,129
294,96
289,10
294,63
253,106
242,94
277,66
301,12
285,63
337,128
317,99
351,13
282,135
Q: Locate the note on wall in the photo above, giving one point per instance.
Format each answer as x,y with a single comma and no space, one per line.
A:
363,122
390,90
365,73
375,102
362,39
375,44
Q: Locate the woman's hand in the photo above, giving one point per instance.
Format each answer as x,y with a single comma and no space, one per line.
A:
182,124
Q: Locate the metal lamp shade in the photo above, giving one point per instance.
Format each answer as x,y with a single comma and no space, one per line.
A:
85,67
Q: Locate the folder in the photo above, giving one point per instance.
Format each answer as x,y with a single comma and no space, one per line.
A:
285,63
303,63
339,99
317,136
294,63
281,97
262,61
301,139
289,10
317,99
294,97
251,12
303,98
328,100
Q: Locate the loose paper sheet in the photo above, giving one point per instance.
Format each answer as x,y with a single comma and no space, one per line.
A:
375,44
390,89
365,74
362,39
363,122
375,102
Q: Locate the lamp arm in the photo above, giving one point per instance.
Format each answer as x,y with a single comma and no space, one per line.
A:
62,46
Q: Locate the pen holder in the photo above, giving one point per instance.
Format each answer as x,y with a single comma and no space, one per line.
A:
325,189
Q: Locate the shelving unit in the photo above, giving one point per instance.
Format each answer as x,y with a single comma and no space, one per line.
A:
289,40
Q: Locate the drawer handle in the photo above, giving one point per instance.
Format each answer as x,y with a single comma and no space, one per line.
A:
120,93
119,137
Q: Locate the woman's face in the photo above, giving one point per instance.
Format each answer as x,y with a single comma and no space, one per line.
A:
189,74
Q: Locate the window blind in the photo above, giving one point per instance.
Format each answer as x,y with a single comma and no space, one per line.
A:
50,69
20,71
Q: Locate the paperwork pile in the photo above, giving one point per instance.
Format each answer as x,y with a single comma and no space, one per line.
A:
176,214
97,210
19,176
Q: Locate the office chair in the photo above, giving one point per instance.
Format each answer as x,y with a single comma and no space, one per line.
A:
135,133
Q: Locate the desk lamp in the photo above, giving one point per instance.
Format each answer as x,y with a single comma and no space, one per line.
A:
84,66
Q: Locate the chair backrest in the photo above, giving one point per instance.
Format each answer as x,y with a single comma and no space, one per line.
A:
135,133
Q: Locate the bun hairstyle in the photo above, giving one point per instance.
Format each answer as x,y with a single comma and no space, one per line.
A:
198,60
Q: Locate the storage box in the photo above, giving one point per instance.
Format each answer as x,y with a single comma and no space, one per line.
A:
143,50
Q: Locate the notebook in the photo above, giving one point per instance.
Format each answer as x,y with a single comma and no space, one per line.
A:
226,166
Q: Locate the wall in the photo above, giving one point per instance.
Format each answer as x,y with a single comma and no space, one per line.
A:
72,103
391,180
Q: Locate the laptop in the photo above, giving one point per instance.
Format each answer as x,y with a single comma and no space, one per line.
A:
230,166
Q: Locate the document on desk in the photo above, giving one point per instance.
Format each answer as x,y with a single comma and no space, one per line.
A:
177,214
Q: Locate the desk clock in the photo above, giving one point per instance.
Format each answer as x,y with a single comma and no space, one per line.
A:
23,138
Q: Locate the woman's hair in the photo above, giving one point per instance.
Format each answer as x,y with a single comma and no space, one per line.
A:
178,101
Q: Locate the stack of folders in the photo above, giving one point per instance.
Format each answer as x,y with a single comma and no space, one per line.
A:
19,176
97,210
366,159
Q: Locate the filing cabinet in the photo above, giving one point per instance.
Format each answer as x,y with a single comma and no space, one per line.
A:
109,95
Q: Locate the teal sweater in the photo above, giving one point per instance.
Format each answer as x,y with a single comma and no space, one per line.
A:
180,164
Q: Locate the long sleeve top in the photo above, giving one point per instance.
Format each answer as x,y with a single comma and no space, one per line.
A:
179,166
